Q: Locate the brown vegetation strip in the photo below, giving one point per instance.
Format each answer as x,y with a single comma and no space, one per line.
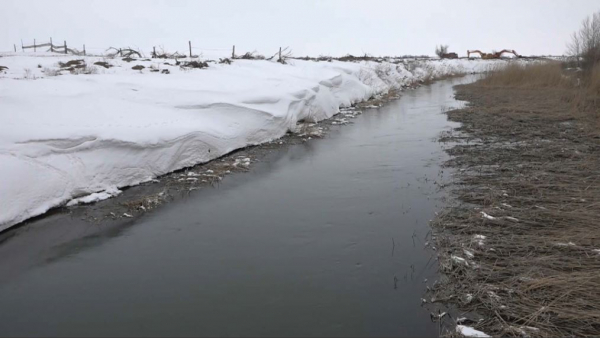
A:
527,217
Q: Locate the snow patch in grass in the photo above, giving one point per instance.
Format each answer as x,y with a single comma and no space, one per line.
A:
468,331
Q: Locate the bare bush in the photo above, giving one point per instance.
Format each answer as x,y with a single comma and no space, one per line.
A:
162,53
85,70
324,58
250,56
441,50
28,74
574,49
282,55
51,72
584,46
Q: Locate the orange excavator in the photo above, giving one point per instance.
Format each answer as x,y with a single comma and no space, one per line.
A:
495,55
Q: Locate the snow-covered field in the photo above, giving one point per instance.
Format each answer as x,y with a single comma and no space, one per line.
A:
67,136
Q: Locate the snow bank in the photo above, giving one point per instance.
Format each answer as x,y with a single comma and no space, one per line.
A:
67,136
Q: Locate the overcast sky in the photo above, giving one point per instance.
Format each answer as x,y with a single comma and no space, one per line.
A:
333,27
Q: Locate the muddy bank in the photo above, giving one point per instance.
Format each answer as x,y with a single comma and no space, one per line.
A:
521,245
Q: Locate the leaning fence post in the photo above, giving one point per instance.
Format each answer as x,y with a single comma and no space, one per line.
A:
65,46
190,43
233,53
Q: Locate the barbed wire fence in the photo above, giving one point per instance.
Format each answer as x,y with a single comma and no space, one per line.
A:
222,55
190,51
157,51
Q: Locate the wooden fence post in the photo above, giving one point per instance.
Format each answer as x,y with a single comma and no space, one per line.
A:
84,50
120,52
280,54
190,43
233,53
65,46
34,45
153,52
51,46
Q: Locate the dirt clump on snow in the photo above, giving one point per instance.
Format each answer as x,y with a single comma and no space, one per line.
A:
138,67
72,63
103,64
194,64
519,244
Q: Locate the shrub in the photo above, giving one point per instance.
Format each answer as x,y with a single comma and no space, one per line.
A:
51,71
441,50
584,46
85,70
28,74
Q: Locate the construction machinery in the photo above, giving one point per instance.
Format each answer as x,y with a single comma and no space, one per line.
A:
450,56
494,55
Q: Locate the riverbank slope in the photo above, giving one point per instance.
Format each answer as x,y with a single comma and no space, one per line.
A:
521,245
76,130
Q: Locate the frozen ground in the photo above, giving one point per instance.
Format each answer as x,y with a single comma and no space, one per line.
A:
64,137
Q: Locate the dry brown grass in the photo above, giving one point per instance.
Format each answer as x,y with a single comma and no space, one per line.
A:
585,97
580,88
591,84
524,159
535,75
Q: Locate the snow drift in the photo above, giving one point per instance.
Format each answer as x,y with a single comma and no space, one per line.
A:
68,136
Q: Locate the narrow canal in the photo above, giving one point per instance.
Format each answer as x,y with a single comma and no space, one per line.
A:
324,238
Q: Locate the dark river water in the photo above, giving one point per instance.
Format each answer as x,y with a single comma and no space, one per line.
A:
324,238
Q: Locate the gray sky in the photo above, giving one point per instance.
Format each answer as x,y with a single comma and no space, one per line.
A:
333,27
